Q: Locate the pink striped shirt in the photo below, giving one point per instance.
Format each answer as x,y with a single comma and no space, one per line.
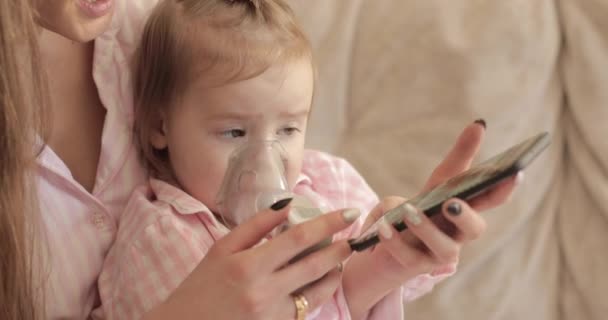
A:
79,227
164,233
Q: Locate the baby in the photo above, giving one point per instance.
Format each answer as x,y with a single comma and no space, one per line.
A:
209,76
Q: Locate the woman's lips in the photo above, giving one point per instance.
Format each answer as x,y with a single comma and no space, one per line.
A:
96,8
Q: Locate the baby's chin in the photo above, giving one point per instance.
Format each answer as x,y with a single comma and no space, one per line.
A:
230,224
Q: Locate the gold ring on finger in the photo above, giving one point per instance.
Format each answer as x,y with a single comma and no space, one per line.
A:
301,306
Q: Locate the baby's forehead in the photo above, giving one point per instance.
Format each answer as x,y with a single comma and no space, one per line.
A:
282,89
282,75
219,65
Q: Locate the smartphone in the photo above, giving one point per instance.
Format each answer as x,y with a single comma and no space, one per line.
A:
465,186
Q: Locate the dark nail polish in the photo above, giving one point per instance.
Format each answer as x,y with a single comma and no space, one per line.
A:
280,204
481,122
454,208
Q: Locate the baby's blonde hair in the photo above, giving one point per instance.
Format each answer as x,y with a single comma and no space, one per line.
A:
222,40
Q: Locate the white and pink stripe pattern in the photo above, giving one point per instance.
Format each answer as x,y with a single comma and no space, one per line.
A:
79,226
164,233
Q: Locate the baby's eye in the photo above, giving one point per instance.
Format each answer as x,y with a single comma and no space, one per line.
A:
233,133
289,131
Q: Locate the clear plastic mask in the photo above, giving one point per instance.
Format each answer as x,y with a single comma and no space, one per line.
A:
255,179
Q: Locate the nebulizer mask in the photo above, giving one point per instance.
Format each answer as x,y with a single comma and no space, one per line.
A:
255,180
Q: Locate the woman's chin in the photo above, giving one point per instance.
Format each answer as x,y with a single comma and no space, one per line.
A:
80,32
74,23
92,30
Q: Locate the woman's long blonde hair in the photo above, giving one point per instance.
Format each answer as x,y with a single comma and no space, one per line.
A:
22,97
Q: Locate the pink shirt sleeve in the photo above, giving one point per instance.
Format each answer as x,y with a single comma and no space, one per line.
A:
142,273
336,184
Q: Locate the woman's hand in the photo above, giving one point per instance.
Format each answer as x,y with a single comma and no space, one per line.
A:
239,279
429,245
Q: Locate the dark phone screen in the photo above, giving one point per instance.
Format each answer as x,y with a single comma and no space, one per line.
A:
469,183
499,166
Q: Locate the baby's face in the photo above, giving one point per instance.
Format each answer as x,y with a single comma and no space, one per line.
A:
210,123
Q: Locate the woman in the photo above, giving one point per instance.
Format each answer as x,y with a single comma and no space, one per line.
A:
88,168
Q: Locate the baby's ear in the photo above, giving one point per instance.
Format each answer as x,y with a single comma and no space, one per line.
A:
158,133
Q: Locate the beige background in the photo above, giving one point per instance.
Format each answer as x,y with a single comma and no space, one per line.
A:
398,79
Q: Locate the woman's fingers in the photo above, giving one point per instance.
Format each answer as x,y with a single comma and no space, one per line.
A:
300,237
421,238
404,248
468,223
443,248
425,236
496,195
313,266
251,232
322,290
460,156
316,294
385,204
